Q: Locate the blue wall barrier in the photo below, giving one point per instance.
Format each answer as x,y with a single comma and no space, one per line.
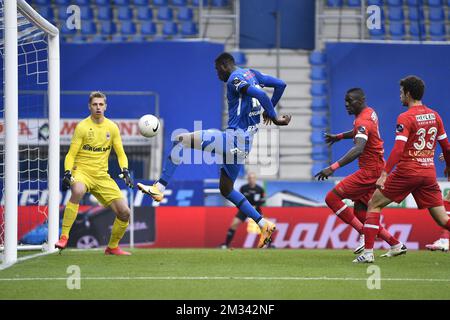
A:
258,24
378,68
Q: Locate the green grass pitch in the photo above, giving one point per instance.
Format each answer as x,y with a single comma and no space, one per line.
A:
227,274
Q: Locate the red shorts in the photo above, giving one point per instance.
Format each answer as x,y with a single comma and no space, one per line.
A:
425,190
359,186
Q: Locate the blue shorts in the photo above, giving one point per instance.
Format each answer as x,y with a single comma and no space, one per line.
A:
229,148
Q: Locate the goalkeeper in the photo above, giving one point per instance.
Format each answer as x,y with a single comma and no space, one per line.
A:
86,170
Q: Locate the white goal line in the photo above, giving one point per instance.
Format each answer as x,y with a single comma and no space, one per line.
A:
223,278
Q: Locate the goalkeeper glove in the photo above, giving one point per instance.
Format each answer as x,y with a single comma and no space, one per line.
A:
125,175
67,180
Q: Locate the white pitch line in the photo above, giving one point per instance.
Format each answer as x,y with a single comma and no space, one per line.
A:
226,278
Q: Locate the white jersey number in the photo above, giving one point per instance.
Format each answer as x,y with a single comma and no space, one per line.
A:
422,133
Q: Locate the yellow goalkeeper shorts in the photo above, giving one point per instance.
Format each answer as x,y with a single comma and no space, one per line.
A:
102,186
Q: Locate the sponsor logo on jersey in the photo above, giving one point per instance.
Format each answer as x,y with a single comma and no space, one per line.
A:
400,128
88,147
237,82
425,117
362,129
108,135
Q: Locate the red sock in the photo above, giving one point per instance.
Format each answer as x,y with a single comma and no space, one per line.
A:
371,229
360,214
386,236
335,203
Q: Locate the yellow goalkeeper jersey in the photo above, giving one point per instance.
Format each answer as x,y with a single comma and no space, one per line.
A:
91,145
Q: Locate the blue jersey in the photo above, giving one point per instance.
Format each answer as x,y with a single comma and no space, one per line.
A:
244,112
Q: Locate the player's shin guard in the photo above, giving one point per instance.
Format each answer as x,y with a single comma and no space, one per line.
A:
371,229
335,203
171,164
242,203
70,214
117,232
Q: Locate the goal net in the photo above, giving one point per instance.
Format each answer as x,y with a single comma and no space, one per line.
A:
29,131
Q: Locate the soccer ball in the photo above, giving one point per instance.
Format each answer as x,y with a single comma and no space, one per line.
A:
149,125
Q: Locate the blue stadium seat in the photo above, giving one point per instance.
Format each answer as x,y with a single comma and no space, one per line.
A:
188,28
435,3
46,12
124,13
354,3
107,27
414,3
144,13
88,27
160,3
86,12
397,30
375,2
165,13
118,38
62,13
98,38
127,28
239,57
318,89
185,14
437,31
196,3
148,28
317,167
378,34
319,121
318,73
104,13
66,31
62,2
317,58
317,136
319,104
396,14
170,28
41,2
320,152
448,3
101,2
121,2
417,31
179,3
436,14
394,3
219,3
141,2
335,3
416,13
81,2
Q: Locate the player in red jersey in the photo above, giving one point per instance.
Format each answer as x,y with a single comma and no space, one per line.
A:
359,186
417,131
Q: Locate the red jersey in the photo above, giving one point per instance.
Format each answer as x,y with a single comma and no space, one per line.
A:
366,126
419,127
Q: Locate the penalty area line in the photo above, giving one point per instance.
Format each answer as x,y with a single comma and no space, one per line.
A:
240,278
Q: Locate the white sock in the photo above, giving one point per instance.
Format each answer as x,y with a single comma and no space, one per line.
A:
160,187
262,223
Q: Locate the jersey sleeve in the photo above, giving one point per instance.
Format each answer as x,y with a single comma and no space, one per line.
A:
402,129
441,134
238,82
75,144
363,129
118,148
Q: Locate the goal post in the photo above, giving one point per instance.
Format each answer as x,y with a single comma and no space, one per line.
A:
15,13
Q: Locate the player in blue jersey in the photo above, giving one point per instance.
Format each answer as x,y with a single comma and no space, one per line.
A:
246,102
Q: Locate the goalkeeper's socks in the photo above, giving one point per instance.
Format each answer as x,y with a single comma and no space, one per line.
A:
117,232
371,229
70,214
242,203
171,164
336,204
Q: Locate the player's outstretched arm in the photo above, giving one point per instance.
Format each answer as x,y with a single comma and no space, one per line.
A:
350,156
332,138
271,82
